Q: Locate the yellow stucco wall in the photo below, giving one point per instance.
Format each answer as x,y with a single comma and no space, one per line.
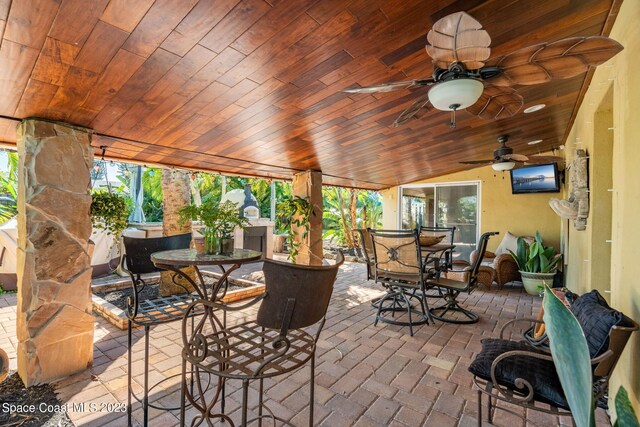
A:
620,77
521,214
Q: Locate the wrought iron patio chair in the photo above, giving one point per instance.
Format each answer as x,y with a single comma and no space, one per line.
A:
523,374
452,288
136,261
398,266
277,342
364,235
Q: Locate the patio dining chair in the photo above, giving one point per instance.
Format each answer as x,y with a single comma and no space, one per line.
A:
136,261
398,265
446,257
525,375
451,289
278,341
364,235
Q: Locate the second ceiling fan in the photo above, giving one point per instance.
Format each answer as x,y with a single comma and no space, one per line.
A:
464,77
505,159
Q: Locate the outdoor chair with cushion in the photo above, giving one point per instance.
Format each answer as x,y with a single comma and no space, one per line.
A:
277,342
460,271
452,288
148,312
501,261
523,374
398,267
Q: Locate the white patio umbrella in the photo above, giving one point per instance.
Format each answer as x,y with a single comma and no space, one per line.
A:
137,194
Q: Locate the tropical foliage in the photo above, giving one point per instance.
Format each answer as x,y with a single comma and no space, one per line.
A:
110,212
349,209
295,212
344,209
534,257
218,218
9,188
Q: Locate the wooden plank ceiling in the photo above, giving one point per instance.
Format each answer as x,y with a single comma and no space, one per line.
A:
253,87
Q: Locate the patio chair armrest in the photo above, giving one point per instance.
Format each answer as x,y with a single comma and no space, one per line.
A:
488,256
460,267
514,321
521,384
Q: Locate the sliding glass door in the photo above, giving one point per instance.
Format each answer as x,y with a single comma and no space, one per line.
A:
444,205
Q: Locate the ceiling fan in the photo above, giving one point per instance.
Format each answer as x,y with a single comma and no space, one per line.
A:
464,79
504,159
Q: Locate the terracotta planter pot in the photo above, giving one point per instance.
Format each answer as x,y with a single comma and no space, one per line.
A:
198,244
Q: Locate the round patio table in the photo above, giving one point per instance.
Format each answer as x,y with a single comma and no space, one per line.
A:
175,260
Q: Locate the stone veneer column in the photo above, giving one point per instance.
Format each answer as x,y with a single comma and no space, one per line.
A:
55,324
309,185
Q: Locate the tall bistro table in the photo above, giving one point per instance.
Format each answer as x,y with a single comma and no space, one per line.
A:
175,260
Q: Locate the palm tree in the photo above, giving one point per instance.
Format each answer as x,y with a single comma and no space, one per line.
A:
176,189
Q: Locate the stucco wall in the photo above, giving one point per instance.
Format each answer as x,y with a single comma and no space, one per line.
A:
585,248
522,214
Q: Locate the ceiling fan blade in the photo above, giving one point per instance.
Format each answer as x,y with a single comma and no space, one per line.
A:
458,38
515,157
410,112
497,103
391,86
544,159
551,61
478,162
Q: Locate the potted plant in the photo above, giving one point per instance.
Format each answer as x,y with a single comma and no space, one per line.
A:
109,212
536,263
219,222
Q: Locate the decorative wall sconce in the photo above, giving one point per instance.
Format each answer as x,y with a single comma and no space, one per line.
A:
576,207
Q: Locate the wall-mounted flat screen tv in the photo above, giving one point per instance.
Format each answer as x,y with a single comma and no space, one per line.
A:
535,179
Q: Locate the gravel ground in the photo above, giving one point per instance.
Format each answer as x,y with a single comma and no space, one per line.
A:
119,297
39,405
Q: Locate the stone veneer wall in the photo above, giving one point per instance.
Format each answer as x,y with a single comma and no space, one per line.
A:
55,324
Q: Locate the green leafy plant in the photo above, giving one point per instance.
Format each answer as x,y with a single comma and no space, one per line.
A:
218,218
9,188
109,212
3,291
295,212
534,257
573,363
626,417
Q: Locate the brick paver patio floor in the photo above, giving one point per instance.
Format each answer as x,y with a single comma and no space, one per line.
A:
365,375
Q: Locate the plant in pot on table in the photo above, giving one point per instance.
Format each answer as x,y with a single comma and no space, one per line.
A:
536,263
219,222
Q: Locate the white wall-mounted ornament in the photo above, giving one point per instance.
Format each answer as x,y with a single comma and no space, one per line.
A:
576,207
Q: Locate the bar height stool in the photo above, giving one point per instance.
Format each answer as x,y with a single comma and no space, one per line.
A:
136,262
275,343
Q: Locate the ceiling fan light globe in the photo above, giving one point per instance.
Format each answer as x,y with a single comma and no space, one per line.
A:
503,166
461,93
